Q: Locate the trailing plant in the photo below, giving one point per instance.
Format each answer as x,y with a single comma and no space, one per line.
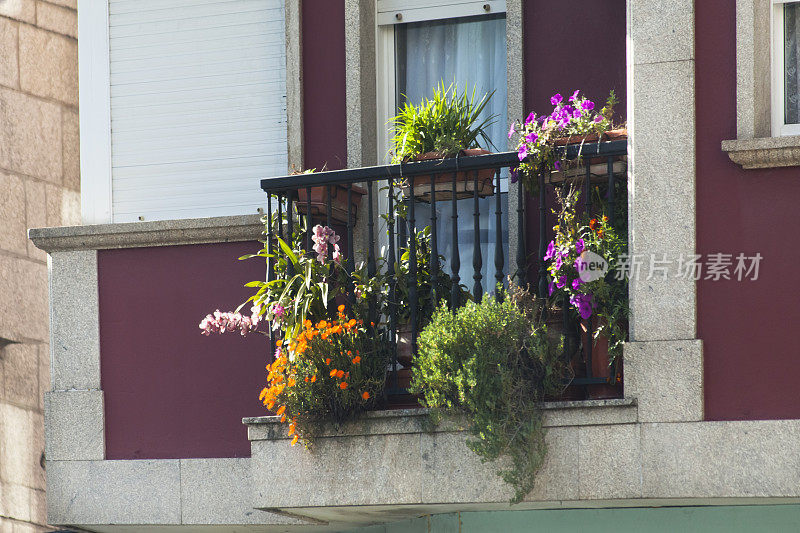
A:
538,134
494,362
445,124
583,260
327,374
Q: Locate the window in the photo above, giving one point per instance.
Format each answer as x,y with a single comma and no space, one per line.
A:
465,44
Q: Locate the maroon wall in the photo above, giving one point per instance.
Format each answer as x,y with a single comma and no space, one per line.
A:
171,392
325,123
574,44
749,329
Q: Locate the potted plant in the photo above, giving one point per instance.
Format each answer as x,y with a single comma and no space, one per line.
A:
492,362
445,126
336,194
573,122
581,263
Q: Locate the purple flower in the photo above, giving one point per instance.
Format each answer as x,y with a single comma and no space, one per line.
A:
587,105
531,137
567,112
556,99
551,251
580,246
576,283
578,113
514,175
557,165
583,303
531,119
512,130
579,264
562,282
522,152
598,118
551,288
558,262
574,95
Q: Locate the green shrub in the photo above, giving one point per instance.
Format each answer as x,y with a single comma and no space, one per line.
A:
494,362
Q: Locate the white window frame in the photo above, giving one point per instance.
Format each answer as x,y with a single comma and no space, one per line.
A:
392,12
779,126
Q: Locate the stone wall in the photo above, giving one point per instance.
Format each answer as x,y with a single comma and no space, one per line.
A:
39,186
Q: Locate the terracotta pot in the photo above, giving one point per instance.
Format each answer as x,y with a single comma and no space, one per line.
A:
600,365
598,166
610,135
338,198
443,183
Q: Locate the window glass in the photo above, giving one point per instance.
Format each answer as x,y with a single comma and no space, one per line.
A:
791,23
471,52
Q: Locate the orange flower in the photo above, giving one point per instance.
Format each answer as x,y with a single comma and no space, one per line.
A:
280,410
340,374
593,224
365,395
356,359
294,440
341,308
307,324
263,393
292,382
291,429
605,218
333,373
322,324
283,419
350,353
343,385
270,405
279,342
328,361
372,324
313,378
306,379
352,322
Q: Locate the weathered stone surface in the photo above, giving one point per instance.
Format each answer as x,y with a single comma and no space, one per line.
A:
44,372
63,206
662,166
609,462
219,491
70,128
156,233
72,4
12,214
74,425
666,378
30,134
669,36
721,459
113,492
15,502
24,10
36,214
9,68
38,507
23,307
21,446
58,19
75,346
766,152
21,374
48,65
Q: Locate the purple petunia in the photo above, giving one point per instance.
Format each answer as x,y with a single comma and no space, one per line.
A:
531,137
598,118
574,95
557,165
522,153
531,119
562,282
580,246
587,105
559,262
583,303
576,283
551,287
556,99
551,251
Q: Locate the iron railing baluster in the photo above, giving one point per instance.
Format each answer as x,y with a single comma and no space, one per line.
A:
477,258
498,247
455,260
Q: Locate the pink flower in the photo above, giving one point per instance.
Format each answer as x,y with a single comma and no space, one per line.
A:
324,235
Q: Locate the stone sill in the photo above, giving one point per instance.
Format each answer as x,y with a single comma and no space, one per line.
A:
402,421
764,152
144,234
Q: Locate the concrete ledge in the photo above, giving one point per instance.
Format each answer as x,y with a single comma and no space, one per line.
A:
142,234
74,425
765,152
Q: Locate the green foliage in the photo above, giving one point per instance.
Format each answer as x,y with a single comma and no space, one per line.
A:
494,362
445,124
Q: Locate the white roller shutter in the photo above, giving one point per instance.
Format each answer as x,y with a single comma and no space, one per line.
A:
198,106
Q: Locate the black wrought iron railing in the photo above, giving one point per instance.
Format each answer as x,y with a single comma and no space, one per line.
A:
404,198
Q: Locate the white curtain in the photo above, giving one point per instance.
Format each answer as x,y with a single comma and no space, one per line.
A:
471,52
791,17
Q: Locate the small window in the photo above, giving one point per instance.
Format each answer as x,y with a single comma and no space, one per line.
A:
786,68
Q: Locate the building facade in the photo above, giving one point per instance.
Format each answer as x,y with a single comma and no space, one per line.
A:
39,186
184,103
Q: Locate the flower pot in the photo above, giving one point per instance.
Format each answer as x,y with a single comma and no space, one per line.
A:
338,198
443,183
598,166
600,365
